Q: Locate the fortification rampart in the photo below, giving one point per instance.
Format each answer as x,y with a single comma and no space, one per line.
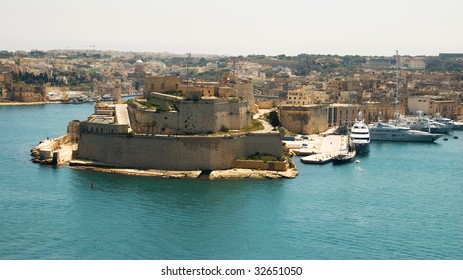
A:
153,122
246,90
176,152
304,119
206,116
203,116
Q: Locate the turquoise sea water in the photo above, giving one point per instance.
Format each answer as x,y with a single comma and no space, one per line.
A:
402,201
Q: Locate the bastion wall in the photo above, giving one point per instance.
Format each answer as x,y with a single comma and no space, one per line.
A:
192,117
176,152
304,119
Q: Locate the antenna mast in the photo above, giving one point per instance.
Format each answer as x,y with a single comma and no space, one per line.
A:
187,80
397,87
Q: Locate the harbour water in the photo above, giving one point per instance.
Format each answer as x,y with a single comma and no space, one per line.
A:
401,201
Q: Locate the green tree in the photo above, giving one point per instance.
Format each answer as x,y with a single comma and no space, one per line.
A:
274,119
224,128
202,61
6,54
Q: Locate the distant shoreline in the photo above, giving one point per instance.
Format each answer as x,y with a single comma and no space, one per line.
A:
29,103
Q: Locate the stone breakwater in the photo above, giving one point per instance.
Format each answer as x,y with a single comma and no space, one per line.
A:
238,173
54,151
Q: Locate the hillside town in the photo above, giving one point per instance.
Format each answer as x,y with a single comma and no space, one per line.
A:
297,85
207,108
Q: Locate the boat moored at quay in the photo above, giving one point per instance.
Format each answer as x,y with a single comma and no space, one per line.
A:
360,136
388,132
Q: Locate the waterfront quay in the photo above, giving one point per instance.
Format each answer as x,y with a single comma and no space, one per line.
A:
328,147
28,103
317,148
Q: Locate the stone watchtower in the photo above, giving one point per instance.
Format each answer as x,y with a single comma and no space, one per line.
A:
118,92
139,69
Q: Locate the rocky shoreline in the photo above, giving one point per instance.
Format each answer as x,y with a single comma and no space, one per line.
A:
235,173
238,173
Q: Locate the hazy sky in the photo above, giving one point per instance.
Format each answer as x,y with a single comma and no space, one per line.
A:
239,27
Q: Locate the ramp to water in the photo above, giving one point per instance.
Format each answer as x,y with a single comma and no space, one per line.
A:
205,174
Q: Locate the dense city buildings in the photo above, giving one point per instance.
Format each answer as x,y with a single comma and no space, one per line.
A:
329,82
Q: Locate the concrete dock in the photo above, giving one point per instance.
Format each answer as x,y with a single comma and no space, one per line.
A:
55,151
317,159
328,146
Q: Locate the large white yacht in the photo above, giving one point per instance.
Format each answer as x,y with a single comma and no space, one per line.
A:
360,135
388,132
455,125
425,124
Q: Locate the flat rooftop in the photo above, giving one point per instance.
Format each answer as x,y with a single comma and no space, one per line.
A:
101,119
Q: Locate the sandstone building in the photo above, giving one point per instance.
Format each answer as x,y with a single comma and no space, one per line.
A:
313,119
432,105
22,92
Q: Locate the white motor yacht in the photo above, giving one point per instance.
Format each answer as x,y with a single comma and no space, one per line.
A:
388,132
360,135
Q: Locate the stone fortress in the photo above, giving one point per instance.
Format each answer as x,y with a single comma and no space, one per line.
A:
179,126
202,108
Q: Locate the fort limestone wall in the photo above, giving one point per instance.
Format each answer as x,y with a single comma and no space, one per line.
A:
176,152
304,119
193,117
